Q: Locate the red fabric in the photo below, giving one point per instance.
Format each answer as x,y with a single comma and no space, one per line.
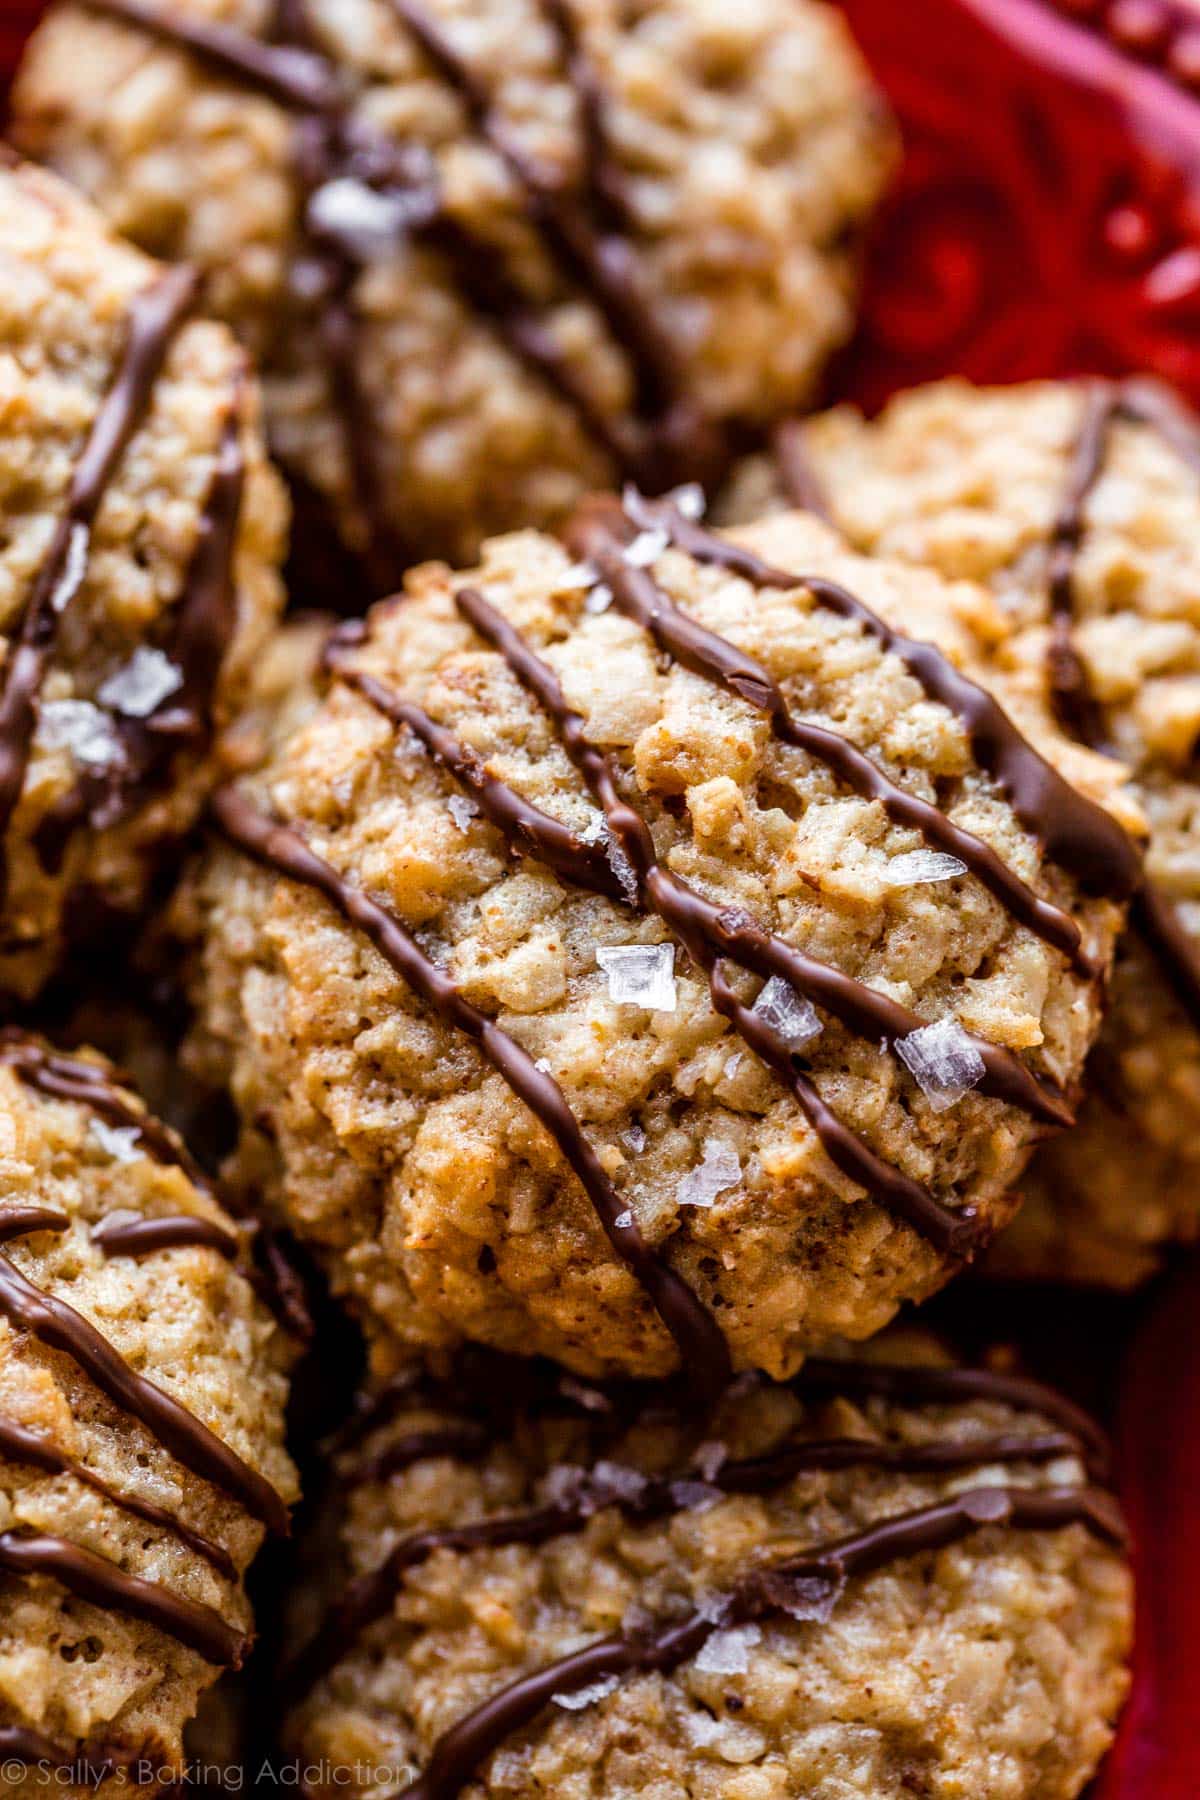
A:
1047,220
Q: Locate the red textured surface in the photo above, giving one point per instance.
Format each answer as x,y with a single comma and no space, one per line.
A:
1047,221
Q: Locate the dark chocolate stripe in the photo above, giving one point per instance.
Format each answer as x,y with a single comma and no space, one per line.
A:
102,1583
640,597
143,1237
459,1752
705,930
527,828
61,1077
154,316
369,1598
53,1322
38,1451
23,1221
701,1344
728,932
294,77
1076,833
1144,403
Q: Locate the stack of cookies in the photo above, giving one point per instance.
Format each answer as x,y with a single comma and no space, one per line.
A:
720,878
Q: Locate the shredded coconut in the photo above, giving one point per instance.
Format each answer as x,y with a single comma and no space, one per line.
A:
917,866
462,810
720,1169
123,1142
74,568
587,1696
728,1652
81,728
791,1014
942,1061
640,975
143,684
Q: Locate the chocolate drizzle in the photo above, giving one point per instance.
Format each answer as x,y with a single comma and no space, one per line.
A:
102,1583
1105,404
144,1237
21,1444
459,1753
154,316
701,1344
824,1569
54,1323
581,223
1076,833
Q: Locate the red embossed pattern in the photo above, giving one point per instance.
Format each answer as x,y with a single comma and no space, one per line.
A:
1046,221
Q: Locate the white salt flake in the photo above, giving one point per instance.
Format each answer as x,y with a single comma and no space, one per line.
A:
144,683
713,1607
123,1142
695,1496
73,570
591,1399
623,1221
640,975
689,500
732,1065
622,868
598,599
542,1065
720,1169
808,1597
588,1696
728,1652
710,1458
645,549
578,575
563,1484
942,1061
462,810
918,866
617,1479
635,1137
366,223
81,728
789,1013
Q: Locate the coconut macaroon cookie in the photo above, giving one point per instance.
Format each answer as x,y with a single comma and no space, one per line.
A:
654,955
142,1387
885,1579
1079,505
489,253
140,534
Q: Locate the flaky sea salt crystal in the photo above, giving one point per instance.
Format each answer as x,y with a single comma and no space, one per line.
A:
542,1065
462,810
619,1480
122,1142
732,1065
598,599
588,1696
577,575
81,728
942,1061
623,1221
622,868
918,866
713,1607
640,975
710,1458
805,1597
728,1652
689,500
591,1399
792,1015
144,683
365,222
635,1138
695,1496
73,570
645,549
563,1484
720,1169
